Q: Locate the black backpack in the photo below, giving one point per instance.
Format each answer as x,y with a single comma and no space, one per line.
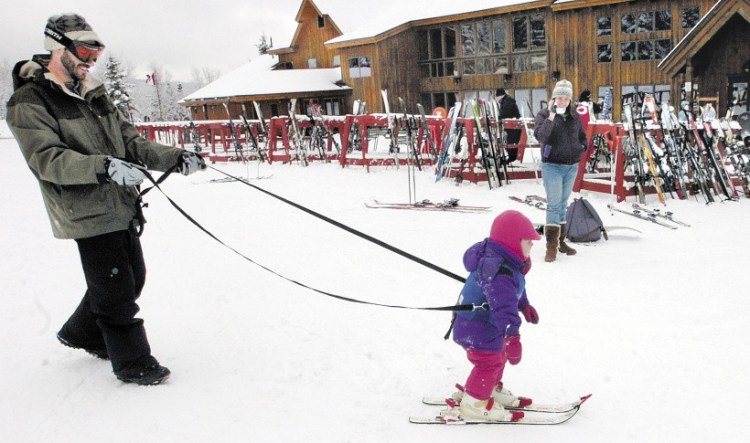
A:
584,224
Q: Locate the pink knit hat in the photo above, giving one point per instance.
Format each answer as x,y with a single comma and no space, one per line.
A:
509,228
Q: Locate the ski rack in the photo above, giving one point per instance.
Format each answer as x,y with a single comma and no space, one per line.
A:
216,140
614,133
280,145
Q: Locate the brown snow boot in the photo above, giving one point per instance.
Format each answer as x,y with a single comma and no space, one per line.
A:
564,248
552,234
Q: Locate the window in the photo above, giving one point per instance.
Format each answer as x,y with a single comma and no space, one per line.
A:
436,44
662,48
520,33
529,34
628,24
644,50
467,40
529,62
627,51
646,22
498,41
449,34
484,38
604,26
604,53
635,93
531,101
312,63
359,67
690,16
663,20
336,60
321,21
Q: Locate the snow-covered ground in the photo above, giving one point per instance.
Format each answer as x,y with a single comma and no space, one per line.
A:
653,324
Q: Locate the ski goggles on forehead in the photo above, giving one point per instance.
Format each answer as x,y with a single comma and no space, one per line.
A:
83,51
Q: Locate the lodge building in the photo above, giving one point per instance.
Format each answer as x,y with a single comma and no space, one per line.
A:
640,46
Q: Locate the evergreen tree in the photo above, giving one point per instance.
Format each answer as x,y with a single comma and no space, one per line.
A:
117,88
6,87
264,44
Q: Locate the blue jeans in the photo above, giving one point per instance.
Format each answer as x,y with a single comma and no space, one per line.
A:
558,184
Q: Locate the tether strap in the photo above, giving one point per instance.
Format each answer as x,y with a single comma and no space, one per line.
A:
296,282
350,229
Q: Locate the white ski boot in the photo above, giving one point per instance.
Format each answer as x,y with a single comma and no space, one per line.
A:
507,399
500,394
489,410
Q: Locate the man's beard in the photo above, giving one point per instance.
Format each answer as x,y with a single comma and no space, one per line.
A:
70,65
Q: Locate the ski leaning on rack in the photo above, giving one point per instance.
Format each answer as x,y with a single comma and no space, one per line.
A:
643,216
427,205
547,415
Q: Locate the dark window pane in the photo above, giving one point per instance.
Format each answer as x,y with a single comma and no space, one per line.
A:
450,67
604,26
690,17
645,22
450,42
663,20
520,33
662,48
436,44
627,51
627,24
604,53
538,32
645,50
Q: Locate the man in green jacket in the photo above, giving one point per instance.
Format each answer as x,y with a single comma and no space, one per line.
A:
89,160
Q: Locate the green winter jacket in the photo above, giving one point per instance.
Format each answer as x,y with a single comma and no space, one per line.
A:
66,138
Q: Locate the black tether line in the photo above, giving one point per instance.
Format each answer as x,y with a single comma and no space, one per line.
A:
322,217
350,229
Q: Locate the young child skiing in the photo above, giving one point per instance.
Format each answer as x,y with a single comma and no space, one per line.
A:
490,336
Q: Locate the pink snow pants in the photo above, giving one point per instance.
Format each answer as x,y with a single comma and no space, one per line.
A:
487,372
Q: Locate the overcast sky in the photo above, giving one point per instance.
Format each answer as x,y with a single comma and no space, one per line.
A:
177,34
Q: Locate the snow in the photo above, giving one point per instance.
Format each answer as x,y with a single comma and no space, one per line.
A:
393,14
652,324
257,78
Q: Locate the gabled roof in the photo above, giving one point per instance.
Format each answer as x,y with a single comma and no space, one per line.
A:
258,77
298,18
702,32
394,16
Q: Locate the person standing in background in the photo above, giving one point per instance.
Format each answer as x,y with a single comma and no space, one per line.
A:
563,140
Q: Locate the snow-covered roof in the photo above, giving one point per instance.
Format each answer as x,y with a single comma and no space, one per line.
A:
257,77
392,14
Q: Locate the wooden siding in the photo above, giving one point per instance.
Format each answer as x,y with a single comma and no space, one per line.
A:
309,40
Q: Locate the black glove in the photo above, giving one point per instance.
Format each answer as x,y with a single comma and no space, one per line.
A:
124,173
191,162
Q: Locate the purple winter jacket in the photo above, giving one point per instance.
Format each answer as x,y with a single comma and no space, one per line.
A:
496,278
